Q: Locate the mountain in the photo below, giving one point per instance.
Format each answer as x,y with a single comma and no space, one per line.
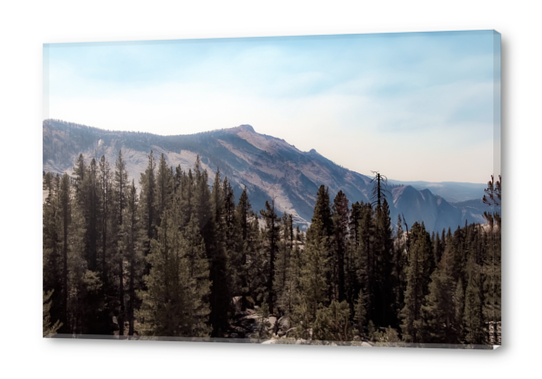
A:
269,167
453,192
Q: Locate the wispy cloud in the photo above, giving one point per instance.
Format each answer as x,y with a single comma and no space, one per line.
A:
415,106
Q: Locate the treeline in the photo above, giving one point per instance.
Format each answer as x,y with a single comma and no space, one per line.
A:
167,260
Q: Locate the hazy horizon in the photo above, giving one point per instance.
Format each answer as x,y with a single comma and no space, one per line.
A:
414,106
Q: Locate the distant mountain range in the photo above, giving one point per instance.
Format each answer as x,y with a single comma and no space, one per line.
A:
269,167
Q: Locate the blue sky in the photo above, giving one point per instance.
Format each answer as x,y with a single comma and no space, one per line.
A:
415,106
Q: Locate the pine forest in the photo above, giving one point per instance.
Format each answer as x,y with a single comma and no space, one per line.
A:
172,256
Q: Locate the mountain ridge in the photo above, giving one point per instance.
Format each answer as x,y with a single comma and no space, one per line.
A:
268,166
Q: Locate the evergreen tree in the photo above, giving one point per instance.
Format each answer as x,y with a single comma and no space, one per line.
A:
322,213
162,305
492,261
231,239
313,283
419,254
175,302
271,235
177,178
213,235
186,194
322,228
85,300
52,248
366,260
473,316
340,216
164,188
79,173
385,281
399,264
333,323
65,211
246,260
147,183
87,200
106,201
439,313
360,313
291,290
459,309
282,266
352,261
198,290
120,187
257,264
131,245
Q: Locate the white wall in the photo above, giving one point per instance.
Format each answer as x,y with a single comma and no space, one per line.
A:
26,25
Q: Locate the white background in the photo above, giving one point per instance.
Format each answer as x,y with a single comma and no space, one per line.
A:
25,25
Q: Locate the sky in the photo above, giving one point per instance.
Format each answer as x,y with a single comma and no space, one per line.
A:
413,106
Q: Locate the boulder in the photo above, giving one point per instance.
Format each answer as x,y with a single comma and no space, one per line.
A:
284,324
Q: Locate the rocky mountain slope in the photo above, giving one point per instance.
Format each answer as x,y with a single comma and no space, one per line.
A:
269,167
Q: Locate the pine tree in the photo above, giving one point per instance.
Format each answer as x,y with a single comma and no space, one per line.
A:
352,261
79,173
360,313
106,201
65,210
147,183
313,283
439,313
473,316
257,263
366,260
213,235
385,281
271,240
322,228
120,188
332,323
164,188
52,257
232,241
131,245
291,290
459,309
322,213
282,266
399,264
162,305
340,216
419,254
198,289
177,178
176,300
245,260
87,199
186,194
492,261
85,300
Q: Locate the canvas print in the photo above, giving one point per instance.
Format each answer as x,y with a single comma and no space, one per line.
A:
323,190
